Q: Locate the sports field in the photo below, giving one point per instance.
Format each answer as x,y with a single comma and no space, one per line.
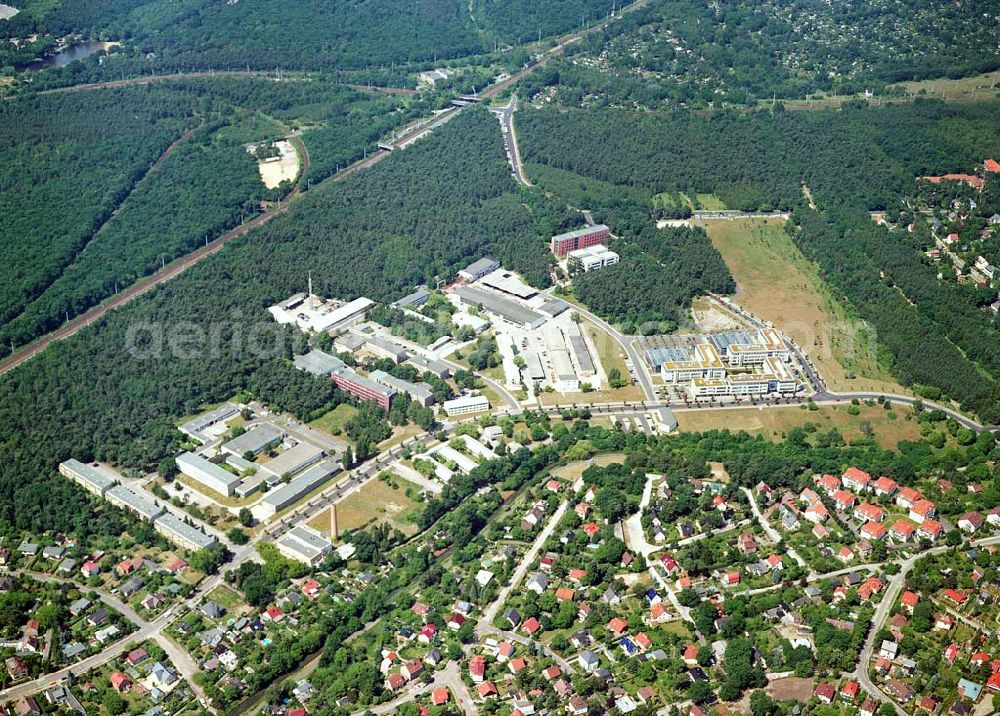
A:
776,283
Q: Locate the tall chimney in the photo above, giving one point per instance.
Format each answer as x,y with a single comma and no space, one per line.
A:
334,533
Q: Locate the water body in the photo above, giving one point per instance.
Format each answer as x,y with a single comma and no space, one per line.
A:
64,57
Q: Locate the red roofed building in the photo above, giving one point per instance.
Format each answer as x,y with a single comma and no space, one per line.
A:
576,575
310,588
531,626
829,484
731,578
870,587
477,668
120,682
970,522
867,512
884,486
909,600
844,501
902,530
591,529
930,529
825,693
617,626
394,682
487,690
994,683
955,596
907,496
992,166
850,690
922,510
516,665
856,479
873,531
690,655
439,697
564,594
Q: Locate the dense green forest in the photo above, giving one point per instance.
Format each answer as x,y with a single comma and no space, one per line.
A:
742,51
519,21
66,162
87,218
932,333
114,390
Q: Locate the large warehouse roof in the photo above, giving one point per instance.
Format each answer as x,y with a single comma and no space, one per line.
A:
505,308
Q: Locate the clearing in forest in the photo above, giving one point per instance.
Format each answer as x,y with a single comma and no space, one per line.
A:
376,502
774,423
776,283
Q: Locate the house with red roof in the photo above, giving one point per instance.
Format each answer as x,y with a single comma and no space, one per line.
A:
922,510
993,684
394,682
817,513
867,512
991,166
439,697
979,658
870,587
746,544
120,682
829,484
873,531
808,496
658,614
310,589
581,510
456,621
951,653
944,622
970,522
642,641
553,672
90,568
825,693
930,529
137,656
909,600
516,665
954,596
670,565
884,487
427,633
907,496
731,578
855,479
487,690
591,529
553,486
477,668
849,691
843,500
690,655
564,594
617,626
844,554
505,651
531,626
774,561
577,575
902,530
412,669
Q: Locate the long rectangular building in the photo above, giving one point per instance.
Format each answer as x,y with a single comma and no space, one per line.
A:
181,533
290,493
196,427
417,391
91,478
505,308
304,544
466,404
586,237
121,496
318,362
430,365
292,460
364,388
255,440
207,473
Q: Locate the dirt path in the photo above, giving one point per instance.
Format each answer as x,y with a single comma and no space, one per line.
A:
153,79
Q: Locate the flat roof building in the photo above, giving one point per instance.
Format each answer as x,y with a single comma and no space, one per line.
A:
290,493
318,362
91,478
292,460
309,314
181,533
505,308
255,440
591,258
506,282
413,300
463,463
196,427
364,388
466,404
121,496
477,269
304,544
562,244
207,473
430,365
385,348
417,391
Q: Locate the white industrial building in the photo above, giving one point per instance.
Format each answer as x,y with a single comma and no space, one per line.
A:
290,493
304,544
310,313
121,496
292,460
466,404
318,362
207,473
255,440
197,428
591,258
477,269
181,533
91,478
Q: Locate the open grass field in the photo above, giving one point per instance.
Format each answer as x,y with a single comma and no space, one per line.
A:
704,202
774,423
776,283
225,597
375,502
978,87
573,470
399,434
611,354
334,421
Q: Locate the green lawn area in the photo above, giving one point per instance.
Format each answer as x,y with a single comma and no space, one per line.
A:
226,597
334,421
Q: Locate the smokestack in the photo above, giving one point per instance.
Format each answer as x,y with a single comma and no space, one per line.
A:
334,533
